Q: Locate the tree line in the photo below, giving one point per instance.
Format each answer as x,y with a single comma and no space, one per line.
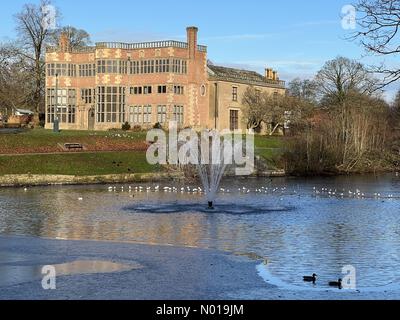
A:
338,121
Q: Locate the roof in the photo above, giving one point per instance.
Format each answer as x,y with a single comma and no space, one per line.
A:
240,75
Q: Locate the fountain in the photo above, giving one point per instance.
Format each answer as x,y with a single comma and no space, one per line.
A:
210,176
211,171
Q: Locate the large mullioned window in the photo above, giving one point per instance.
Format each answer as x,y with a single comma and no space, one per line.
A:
177,114
178,66
112,66
161,114
87,70
61,69
66,105
139,115
110,104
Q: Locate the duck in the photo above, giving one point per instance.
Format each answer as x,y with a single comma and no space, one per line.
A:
312,279
337,284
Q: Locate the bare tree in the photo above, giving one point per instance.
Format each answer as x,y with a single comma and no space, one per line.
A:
262,107
78,38
16,85
302,89
342,76
33,36
379,21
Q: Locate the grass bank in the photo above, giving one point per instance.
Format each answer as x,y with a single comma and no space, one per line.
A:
45,141
116,152
78,164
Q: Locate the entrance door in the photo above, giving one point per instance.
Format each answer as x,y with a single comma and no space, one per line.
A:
91,118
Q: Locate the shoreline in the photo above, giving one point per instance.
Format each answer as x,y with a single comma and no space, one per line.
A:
157,273
34,180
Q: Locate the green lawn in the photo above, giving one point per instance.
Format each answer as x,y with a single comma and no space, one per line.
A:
271,149
45,141
79,164
119,161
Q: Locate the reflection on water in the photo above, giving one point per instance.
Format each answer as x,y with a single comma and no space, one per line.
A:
298,232
11,274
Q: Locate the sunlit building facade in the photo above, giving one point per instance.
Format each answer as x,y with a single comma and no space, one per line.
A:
103,86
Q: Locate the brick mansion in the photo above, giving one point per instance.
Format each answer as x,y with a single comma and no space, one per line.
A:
103,86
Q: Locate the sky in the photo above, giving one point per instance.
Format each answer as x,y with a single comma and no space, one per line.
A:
294,37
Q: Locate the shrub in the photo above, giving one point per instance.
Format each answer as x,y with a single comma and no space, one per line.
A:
126,126
157,126
137,128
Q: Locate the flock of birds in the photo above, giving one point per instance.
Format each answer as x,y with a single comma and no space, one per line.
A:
313,279
194,190
357,194
281,191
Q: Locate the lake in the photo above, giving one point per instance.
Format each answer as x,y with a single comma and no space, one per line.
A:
301,226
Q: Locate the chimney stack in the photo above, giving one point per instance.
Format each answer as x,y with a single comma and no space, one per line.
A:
268,74
64,44
192,41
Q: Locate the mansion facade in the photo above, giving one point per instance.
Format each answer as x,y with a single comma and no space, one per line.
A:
104,86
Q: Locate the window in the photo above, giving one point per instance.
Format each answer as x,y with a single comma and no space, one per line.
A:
203,90
110,104
147,114
141,90
87,95
178,90
147,90
178,66
87,70
276,96
162,114
234,94
112,66
134,67
66,105
177,114
61,69
162,89
234,120
136,90
184,67
135,115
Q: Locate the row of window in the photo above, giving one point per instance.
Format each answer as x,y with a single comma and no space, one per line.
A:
61,69
112,66
162,89
88,95
158,66
140,115
87,70
178,66
110,107
258,92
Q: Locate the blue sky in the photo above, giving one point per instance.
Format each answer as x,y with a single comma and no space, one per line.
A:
294,37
